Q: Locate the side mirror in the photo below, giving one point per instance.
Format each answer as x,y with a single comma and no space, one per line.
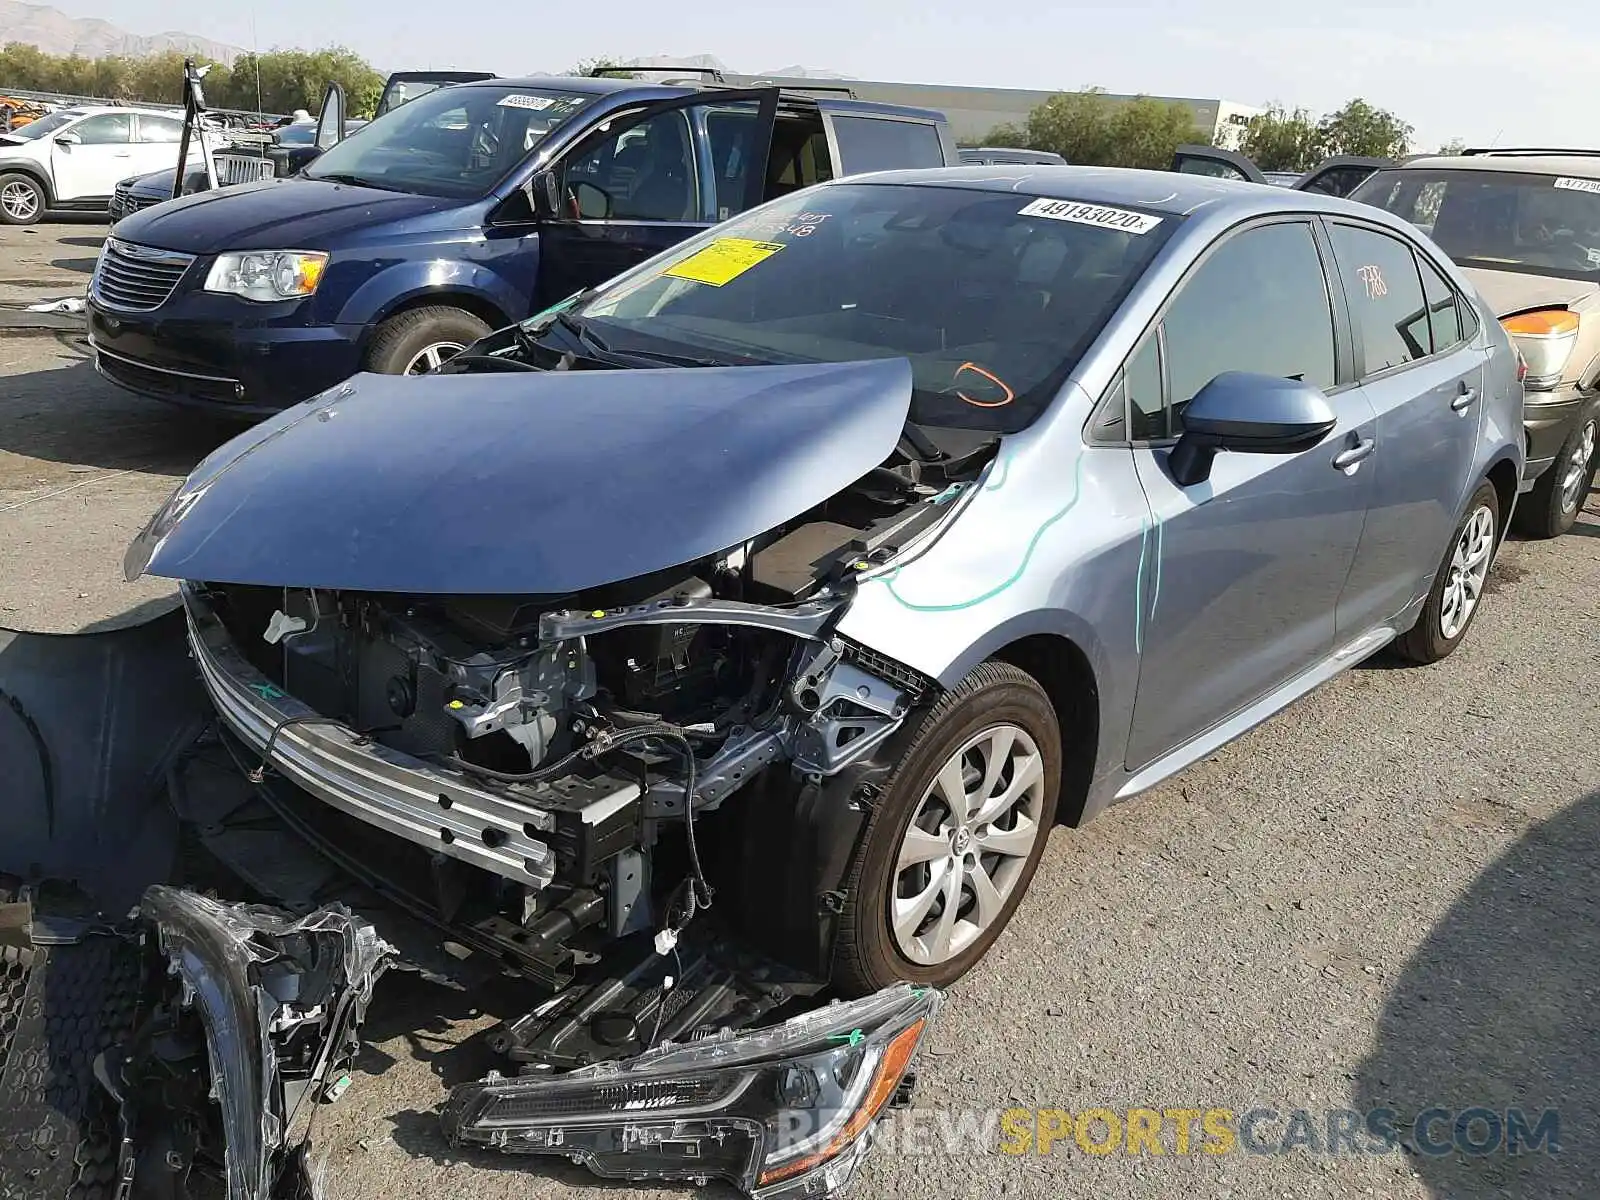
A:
68,139
1248,414
544,195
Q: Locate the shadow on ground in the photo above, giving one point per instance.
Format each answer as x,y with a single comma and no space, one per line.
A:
1498,1010
68,414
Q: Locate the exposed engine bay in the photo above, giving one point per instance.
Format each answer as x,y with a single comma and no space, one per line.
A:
547,746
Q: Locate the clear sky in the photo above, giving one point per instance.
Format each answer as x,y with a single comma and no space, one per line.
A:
1480,70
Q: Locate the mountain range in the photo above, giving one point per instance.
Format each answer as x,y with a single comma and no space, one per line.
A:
52,31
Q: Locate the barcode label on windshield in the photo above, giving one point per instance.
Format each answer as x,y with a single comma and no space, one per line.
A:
519,100
1579,185
1118,219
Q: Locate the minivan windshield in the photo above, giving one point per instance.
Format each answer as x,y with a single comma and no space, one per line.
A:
992,296
1499,220
456,141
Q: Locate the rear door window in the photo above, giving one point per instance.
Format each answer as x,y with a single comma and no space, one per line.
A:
1385,295
885,144
1444,309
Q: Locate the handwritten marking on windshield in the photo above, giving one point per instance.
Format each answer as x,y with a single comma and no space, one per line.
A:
992,378
1372,279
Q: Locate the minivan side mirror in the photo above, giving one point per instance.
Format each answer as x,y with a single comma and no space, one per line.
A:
1248,414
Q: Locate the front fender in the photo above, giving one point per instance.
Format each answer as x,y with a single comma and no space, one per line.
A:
404,282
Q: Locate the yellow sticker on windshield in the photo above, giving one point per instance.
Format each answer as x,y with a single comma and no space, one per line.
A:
723,261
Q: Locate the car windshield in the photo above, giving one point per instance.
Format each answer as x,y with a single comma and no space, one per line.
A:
1499,220
457,142
44,125
992,296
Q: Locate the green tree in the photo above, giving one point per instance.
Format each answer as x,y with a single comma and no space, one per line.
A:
1360,128
1089,127
611,67
1453,147
283,80
1280,140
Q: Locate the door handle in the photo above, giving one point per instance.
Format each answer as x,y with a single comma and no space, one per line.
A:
1465,400
1346,459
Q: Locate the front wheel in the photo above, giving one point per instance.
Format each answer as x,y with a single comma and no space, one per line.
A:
955,838
1551,506
22,200
421,339
1458,589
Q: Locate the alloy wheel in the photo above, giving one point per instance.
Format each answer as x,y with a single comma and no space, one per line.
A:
1469,567
20,202
968,845
1575,471
432,356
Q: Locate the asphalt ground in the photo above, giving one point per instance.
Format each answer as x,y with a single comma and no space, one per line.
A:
1385,898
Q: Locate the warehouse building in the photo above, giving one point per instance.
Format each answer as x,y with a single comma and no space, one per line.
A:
974,111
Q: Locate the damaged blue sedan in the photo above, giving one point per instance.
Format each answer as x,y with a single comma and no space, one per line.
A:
732,636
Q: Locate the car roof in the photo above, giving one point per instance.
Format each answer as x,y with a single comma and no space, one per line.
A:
1173,192
606,86
1554,163
95,110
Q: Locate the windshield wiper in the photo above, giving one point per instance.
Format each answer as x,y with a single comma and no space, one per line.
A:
922,447
357,181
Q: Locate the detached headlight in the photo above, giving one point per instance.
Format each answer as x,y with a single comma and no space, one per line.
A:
1545,339
782,1112
268,274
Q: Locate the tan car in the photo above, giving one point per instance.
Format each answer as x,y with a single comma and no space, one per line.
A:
1524,225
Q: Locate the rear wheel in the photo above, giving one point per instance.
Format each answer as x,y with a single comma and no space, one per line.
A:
1551,507
956,836
417,341
22,200
1458,589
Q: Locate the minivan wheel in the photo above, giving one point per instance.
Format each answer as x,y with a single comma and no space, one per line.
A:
416,341
1551,507
1458,590
22,200
955,837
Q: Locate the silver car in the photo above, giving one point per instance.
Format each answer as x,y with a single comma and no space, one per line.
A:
824,562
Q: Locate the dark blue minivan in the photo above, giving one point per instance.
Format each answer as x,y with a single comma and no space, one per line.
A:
460,212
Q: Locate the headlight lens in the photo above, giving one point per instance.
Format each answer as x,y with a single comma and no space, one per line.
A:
777,1112
268,274
1545,338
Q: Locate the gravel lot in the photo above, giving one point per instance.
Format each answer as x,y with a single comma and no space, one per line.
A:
1385,897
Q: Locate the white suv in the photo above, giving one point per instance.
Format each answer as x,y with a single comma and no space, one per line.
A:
73,158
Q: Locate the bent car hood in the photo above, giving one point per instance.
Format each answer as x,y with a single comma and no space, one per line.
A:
536,483
271,215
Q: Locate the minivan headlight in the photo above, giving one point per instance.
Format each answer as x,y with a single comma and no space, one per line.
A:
1545,338
268,274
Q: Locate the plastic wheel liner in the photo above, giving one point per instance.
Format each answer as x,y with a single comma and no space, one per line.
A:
219,1028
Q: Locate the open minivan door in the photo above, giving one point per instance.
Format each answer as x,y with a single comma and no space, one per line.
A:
1341,174
1336,176
330,118
631,187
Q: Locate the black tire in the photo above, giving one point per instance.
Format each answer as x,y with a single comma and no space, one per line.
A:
866,955
19,185
1546,511
1425,642
399,341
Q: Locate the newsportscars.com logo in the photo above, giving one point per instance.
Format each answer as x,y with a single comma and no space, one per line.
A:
1437,1131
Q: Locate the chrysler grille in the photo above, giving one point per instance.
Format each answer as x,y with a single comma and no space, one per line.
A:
137,278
